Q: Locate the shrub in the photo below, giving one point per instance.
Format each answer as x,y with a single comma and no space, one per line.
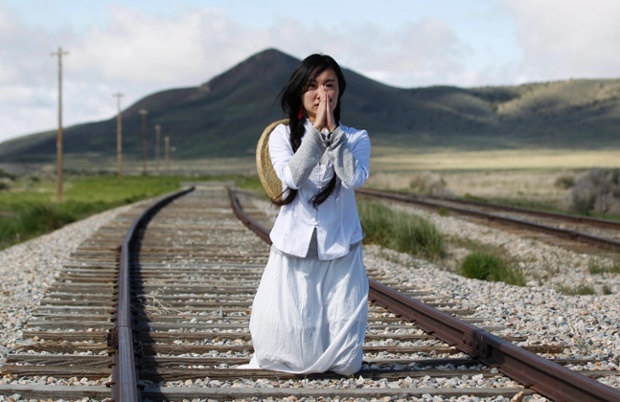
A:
565,182
400,231
7,175
597,191
429,184
490,267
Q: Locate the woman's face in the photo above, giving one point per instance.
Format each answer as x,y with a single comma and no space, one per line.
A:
310,99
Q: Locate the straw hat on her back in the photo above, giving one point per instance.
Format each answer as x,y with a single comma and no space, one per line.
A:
271,183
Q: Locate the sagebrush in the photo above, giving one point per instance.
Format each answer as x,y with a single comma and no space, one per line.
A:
597,191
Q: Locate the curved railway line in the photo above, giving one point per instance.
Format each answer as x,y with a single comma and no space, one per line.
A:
600,233
155,306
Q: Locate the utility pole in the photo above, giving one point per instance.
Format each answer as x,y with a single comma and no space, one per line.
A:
143,113
119,139
167,145
59,53
157,132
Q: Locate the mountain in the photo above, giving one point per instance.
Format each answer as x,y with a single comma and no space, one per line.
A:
225,116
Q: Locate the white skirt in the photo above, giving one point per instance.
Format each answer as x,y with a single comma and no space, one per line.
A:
309,315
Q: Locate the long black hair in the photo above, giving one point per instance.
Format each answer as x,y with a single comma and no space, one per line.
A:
291,102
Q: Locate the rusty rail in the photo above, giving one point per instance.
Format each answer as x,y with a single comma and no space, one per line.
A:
254,226
574,235
545,377
572,218
124,375
549,379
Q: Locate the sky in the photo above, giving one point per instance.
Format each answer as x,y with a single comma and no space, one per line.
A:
138,47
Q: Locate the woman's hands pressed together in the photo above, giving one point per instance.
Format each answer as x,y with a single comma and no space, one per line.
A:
320,100
325,111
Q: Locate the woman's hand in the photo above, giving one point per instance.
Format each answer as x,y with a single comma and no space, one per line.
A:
325,112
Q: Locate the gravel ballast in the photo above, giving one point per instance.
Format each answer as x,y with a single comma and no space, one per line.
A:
588,325
27,269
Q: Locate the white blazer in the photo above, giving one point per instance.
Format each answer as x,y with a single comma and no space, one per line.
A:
336,220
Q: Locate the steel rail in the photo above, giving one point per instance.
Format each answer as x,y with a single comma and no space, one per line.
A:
532,371
252,224
124,383
572,218
564,233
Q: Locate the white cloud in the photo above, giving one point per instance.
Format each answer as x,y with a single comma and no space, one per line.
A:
135,54
142,49
138,53
419,52
568,38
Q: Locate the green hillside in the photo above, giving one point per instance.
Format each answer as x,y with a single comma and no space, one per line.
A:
225,116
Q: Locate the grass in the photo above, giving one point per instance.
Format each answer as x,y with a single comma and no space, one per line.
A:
395,159
478,246
400,231
490,267
581,290
417,236
28,208
543,205
546,190
35,218
595,267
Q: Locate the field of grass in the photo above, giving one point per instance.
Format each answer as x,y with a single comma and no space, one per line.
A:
28,204
388,159
532,178
29,207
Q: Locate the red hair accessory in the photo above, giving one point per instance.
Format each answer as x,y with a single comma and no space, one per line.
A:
300,115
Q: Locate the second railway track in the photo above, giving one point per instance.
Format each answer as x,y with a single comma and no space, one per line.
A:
194,272
573,231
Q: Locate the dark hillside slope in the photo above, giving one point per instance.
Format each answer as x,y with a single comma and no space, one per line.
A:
224,116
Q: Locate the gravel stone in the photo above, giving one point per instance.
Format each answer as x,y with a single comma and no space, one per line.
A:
28,268
587,325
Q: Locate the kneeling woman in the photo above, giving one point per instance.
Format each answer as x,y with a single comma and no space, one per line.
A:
310,311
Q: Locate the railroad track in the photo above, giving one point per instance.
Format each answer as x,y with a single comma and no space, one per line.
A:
570,230
191,277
